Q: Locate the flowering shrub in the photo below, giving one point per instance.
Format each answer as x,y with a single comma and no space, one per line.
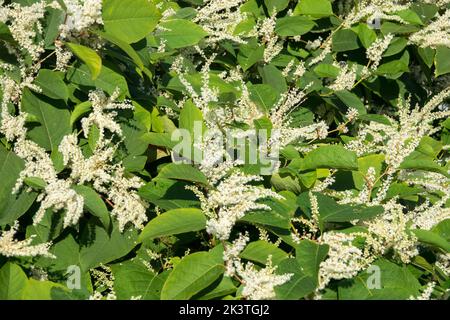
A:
209,149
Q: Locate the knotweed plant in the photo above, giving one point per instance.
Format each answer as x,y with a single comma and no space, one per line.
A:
224,149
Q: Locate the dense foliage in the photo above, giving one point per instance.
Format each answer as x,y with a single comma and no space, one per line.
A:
224,149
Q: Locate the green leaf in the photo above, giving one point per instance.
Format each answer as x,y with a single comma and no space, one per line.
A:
331,211
225,287
67,252
93,136
94,204
396,283
331,157
432,238
98,246
398,28
182,172
191,275
133,279
48,229
259,251
174,222
403,191
136,137
54,19
263,95
344,40
442,61
443,229
129,20
426,11
430,147
366,35
376,118
397,45
309,255
419,161
196,81
249,54
409,16
279,215
364,163
89,57
263,123
35,182
124,46
142,115
52,84
285,181
273,77
298,286
314,8
12,282
5,33
277,5
326,70
427,55
394,67
351,100
168,194
40,290
108,80
12,206
79,110
189,115
54,119
181,33
293,26
161,140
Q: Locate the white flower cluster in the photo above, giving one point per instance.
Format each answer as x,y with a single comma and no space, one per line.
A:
427,215
230,196
230,200
399,139
326,49
106,176
220,18
375,9
443,263
283,133
57,194
435,34
426,293
288,101
391,231
10,247
24,24
104,279
367,11
101,114
351,114
258,283
266,30
344,260
63,56
231,253
80,15
375,52
345,80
